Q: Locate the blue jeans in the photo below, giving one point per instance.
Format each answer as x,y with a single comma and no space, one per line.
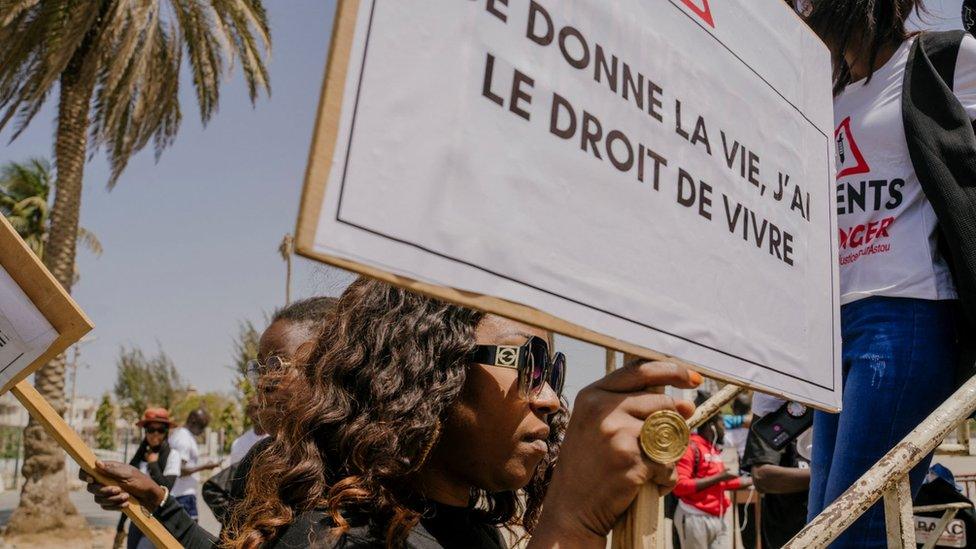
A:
899,358
189,503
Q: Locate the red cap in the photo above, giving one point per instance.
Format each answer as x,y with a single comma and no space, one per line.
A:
154,415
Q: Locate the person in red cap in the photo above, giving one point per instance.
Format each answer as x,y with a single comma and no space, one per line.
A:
155,458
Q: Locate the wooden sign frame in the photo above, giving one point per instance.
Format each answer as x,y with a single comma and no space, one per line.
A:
72,324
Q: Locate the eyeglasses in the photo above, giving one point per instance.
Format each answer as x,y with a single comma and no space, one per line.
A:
532,361
255,370
156,430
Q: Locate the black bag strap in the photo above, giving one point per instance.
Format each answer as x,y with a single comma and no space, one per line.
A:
942,49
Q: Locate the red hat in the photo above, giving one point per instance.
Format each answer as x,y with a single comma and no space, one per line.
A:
155,415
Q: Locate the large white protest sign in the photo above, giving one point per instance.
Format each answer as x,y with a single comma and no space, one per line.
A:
642,174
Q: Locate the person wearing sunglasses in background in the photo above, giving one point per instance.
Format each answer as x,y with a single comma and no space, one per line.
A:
154,459
426,424
903,107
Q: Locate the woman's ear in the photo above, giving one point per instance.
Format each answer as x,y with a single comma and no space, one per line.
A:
304,352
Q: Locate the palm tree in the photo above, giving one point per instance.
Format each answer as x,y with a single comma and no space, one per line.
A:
116,64
25,193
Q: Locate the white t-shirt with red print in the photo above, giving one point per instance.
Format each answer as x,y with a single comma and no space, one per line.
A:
888,240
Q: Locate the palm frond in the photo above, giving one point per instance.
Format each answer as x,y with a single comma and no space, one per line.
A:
127,54
88,239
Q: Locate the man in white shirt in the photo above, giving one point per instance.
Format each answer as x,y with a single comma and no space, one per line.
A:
243,444
183,440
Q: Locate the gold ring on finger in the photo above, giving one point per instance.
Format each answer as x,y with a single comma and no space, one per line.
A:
664,437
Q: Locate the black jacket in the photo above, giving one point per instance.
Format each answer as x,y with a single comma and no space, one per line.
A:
155,470
443,526
942,146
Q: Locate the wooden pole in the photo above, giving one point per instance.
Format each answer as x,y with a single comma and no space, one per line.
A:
287,250
55,425
642,526
711,406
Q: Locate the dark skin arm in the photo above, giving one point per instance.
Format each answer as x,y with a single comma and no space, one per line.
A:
708,482
774,479
132,483
187,470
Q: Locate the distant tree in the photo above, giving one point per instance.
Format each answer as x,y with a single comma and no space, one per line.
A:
143,381
245,349
116,69
25,200
231,424
105,421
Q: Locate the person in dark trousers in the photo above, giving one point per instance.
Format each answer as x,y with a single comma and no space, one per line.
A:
155,459
903,106
425,424
183,440
783,477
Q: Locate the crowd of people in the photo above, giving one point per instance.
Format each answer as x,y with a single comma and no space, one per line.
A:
386,418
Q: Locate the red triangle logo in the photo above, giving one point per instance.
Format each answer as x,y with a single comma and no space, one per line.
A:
850,161
703,11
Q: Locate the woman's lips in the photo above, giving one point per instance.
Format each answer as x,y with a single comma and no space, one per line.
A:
538,445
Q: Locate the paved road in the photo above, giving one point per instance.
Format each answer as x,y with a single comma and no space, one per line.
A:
96,517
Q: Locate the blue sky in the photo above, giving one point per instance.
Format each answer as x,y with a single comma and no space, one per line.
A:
191,241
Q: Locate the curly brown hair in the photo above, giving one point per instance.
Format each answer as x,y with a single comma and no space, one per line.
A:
388,367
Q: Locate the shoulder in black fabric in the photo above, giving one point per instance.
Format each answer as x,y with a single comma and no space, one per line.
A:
942,146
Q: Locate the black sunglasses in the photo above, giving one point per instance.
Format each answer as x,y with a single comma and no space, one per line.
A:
156,430
532,361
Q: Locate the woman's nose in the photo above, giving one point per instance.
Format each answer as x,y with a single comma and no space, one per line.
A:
546,402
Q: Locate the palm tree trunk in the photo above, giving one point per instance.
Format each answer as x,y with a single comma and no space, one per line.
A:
44,502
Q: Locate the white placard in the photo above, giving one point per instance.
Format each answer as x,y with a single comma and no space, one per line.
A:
658,171
24,332
954,534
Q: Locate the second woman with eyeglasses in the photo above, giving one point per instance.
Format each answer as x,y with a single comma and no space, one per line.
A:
423,424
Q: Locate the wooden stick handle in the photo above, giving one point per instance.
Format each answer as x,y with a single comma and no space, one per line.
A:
55,425
643,525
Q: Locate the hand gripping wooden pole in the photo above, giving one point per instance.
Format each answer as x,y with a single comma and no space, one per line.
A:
55,425
643,525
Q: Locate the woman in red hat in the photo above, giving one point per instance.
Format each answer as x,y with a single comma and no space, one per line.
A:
154,458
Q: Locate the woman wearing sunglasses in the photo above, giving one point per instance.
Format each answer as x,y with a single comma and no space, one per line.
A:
423,424
155,459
